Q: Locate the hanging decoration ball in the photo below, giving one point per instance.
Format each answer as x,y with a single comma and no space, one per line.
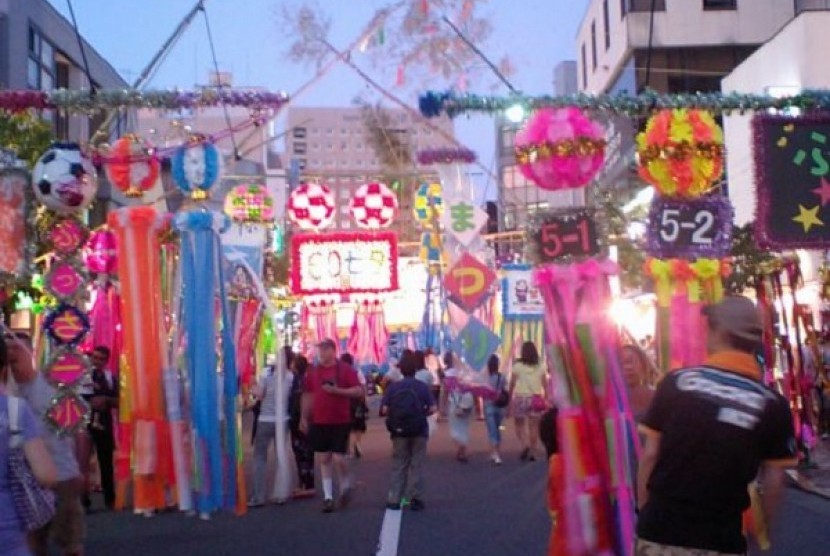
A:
311,206
196,167
250,204
100,252
373,206
131,165
428,204
64,178
681,152
560,148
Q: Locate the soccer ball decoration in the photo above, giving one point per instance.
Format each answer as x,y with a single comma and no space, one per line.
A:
131,166
311,206
100,252
681,152
196,167
64,179
560,148
373,206
428,204
250,204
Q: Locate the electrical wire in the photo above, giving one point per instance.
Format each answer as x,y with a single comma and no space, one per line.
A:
92,87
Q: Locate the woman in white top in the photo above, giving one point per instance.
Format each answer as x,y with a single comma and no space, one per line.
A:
460,409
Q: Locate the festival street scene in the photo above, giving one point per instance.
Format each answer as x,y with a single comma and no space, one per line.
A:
414,277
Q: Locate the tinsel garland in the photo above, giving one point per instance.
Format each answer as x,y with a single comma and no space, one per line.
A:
446,156
433,103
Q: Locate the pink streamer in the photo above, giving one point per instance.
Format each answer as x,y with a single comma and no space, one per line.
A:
369,336
105,321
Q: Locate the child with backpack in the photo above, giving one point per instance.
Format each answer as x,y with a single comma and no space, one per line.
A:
406,405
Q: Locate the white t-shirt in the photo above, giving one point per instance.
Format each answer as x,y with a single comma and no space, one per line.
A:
267,385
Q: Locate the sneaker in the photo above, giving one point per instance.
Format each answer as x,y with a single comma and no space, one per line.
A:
255,503
345,497
328,506
357,453
496,459
416,505
393,506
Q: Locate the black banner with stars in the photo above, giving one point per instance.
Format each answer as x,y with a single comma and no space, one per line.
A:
792,165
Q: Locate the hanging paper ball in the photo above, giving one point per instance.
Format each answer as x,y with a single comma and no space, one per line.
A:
100,252
64,179
428,200
681,152
196,167
560,148
373,206
311,206
131,166
250,204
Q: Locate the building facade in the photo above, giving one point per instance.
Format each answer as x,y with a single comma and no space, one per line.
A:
333,146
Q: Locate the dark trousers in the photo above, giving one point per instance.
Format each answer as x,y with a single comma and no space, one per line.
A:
304,456
104,443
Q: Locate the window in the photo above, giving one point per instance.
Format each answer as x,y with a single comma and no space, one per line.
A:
645,5
720,4
299,148
344,145
344,131
299,133
314,131
329,146
315,146
606,24
62,82
584,68
329,131
623,8
301,163
40,66
358,146
593,46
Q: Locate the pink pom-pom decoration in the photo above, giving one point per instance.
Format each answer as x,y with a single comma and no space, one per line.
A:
311,206
373,206
100,252
560,148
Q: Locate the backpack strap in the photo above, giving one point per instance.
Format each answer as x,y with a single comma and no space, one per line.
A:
14,409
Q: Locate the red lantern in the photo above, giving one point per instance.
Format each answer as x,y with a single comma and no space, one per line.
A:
100,253
131,166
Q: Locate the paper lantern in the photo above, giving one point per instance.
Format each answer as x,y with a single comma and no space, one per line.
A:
196,167
131,166
428,203
64,178
250,204
311,206
560,148
373,206
100,253
681,152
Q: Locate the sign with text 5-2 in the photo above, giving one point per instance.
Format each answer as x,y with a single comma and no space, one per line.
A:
689,229
566,234
344,263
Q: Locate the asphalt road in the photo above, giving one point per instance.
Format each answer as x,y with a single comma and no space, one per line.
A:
471,509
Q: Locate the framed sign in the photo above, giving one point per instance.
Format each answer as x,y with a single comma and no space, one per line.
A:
476,343
463,220
690,229
344,263
792,173
468,282
520,298
570,233
14,183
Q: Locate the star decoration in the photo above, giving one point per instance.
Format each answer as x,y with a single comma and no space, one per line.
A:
808,217
823,191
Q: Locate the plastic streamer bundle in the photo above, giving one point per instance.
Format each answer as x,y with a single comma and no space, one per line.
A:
369,336
319,318
596,430
214,434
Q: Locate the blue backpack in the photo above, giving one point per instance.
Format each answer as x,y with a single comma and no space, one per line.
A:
405,416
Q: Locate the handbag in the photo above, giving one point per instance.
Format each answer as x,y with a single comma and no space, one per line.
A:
34,504
538,403
503,396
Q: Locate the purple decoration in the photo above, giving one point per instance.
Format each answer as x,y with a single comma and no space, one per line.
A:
690,229
446,156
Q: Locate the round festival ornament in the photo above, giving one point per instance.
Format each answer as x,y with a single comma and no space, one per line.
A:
67,368
428,203
65,280
64,178
681,152
250,204
311,206
64,236
66,325
131,165
196,167
100,252
560,148
373,206
67,413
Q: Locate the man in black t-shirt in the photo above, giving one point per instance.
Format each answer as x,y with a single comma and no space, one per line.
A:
708,432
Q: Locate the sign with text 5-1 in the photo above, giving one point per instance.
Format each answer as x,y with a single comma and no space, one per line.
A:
344,263
468,282
690,229
463,220
570,233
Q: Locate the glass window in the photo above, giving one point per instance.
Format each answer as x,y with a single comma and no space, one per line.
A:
344,131
720,4
584,67
645,5
299,148
358,146
593,45
329,131
315,146
344,145
46,81
47,54
33,74
34,41
329,146
299,132
606,24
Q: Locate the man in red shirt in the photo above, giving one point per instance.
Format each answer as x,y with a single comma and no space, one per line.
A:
326,416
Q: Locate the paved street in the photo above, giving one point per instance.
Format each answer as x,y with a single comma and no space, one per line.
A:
472,509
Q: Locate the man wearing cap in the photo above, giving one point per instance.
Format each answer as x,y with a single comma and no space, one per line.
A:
327,417
708,432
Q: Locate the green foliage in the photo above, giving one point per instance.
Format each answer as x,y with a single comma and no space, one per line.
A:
24,134
630,254
747,260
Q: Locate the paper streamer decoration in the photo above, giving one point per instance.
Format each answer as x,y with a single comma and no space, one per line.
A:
369,337
214,438
14,185
319,318
137,230
131,166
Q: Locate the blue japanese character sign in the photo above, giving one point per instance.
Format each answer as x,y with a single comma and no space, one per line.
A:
475,343
792,164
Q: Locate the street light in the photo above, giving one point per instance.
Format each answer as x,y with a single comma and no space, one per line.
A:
515,113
